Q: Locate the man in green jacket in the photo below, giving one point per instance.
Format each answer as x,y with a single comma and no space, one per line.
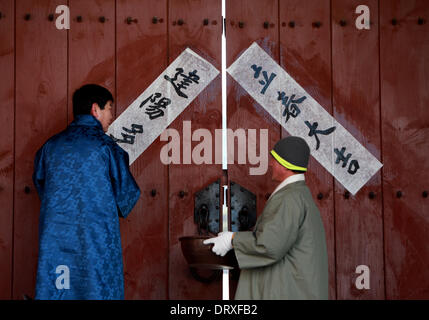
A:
285,256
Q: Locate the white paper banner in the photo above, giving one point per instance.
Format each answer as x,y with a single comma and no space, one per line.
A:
153,111
331,144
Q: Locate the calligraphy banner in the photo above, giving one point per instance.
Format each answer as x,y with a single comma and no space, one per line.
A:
154,110
301,115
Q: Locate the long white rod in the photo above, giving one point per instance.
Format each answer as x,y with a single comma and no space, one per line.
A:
225,273
224,104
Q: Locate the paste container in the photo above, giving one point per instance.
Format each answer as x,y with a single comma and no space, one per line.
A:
200,255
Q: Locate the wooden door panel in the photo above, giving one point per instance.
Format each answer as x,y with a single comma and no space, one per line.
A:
245,25
305,53
91,48
141,55
356,103
41,111
187,29
404,111
7,98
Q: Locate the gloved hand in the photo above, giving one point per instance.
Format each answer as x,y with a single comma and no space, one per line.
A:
222,243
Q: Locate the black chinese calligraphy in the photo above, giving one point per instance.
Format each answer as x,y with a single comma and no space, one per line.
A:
354,164
314,132
290,104
130,134
155,109
267,80
178,86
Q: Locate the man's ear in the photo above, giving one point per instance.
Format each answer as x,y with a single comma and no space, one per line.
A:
94,110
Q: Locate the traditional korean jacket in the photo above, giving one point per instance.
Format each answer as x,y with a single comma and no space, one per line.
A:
285,256
84,183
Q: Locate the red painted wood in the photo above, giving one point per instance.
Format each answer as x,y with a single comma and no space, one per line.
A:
243,111
404,104
305,53
141,57
356,101
7,99
41,111
205,112
153,261
91,46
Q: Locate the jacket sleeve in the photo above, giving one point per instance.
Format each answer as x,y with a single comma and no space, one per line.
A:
274,235
39,172
125,188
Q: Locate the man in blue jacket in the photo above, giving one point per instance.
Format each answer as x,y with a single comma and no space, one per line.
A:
84,184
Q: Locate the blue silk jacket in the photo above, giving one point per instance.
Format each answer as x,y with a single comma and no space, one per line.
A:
84,184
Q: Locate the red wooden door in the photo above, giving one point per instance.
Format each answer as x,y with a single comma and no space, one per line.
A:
91,46
187,29
7,98
245,25
356,101
40,112
305,53
404,69
374,82
141,55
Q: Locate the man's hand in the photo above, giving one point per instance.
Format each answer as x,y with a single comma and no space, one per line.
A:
222,243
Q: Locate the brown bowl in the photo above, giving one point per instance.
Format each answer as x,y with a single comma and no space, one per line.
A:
200,255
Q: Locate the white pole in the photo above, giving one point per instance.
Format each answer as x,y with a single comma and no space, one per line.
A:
224,105
225,273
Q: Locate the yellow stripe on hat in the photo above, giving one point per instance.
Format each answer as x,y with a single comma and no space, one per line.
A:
285,163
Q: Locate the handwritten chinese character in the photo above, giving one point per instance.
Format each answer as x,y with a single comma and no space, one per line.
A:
155,110
184,84
314,132
290,104
129,136
354,164
267,80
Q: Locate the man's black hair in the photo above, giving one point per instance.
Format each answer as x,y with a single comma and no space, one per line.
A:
85,96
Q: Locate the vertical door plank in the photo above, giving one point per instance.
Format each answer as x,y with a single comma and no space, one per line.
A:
305,53
245,25
405,131
41,111
91,46
204,112
141,51
243,111
7,98
356,102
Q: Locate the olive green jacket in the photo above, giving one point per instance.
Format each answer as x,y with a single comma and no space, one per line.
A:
285,257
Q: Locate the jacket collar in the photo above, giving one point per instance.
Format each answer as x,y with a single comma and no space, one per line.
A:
289,180
86,120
